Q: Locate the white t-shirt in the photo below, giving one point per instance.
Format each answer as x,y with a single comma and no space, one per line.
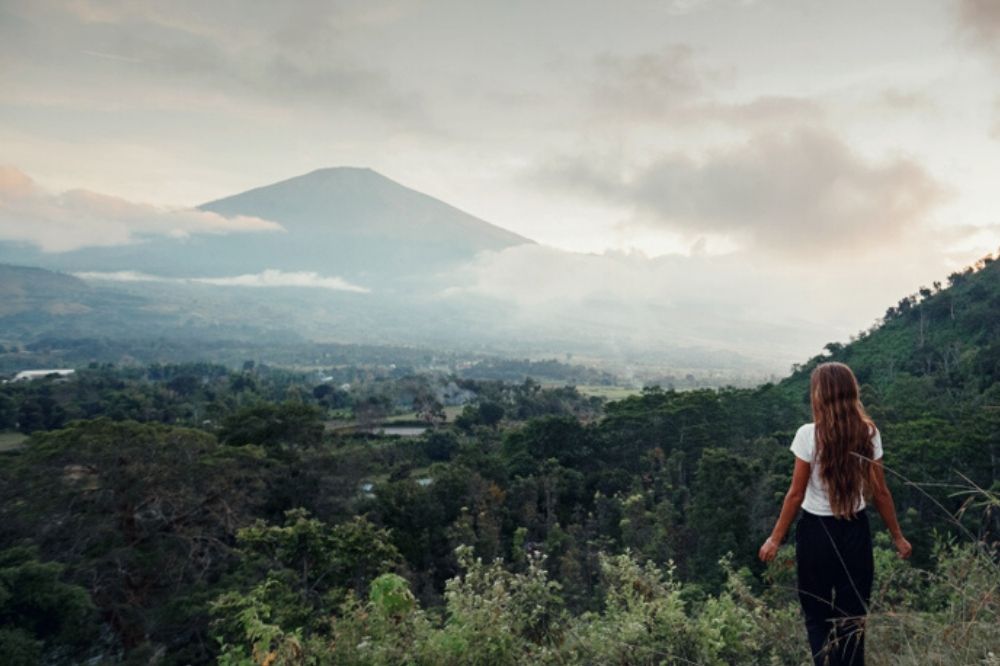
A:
804,447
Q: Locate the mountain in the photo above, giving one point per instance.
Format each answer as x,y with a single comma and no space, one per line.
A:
362,203
347,222
358,224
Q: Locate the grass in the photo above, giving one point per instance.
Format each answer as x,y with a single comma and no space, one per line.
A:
11,441
608,392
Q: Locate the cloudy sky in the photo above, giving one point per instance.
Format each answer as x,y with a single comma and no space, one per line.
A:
834,155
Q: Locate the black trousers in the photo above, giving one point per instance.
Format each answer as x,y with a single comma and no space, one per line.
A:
835,571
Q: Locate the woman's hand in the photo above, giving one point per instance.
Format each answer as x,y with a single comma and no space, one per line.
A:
768,550
903,547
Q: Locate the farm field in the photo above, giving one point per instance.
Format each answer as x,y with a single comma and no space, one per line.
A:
11,440
608,392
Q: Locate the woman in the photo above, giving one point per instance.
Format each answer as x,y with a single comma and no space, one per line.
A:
837,464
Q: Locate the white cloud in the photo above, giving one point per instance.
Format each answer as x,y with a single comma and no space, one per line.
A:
122,276
774,312
626,302
60,222
275,278
266,278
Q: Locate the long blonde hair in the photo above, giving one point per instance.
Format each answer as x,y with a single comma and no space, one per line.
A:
844,432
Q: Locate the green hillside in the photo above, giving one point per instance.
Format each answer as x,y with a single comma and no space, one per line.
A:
194,514
950,334
24,289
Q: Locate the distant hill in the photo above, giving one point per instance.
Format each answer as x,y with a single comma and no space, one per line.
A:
38,304
23,288
946,335
35,302
348,222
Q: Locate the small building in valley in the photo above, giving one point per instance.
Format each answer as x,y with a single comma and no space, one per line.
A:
28,375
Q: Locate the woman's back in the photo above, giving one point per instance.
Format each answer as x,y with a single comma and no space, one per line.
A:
817,500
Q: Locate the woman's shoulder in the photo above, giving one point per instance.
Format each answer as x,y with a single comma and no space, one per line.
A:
806,433
804,442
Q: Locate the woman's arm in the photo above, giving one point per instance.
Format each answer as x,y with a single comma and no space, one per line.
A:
793,500
887,509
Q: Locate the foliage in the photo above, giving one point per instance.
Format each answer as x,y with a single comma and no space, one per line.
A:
140,515
302,570
272,426
39,612
208,514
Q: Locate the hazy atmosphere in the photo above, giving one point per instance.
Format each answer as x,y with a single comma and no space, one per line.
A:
796,165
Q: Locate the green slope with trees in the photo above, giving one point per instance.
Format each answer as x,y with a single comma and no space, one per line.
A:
200,515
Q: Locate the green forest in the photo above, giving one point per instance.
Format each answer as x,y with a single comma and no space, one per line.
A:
195,513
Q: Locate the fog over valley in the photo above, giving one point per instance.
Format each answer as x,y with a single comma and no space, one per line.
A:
348,255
